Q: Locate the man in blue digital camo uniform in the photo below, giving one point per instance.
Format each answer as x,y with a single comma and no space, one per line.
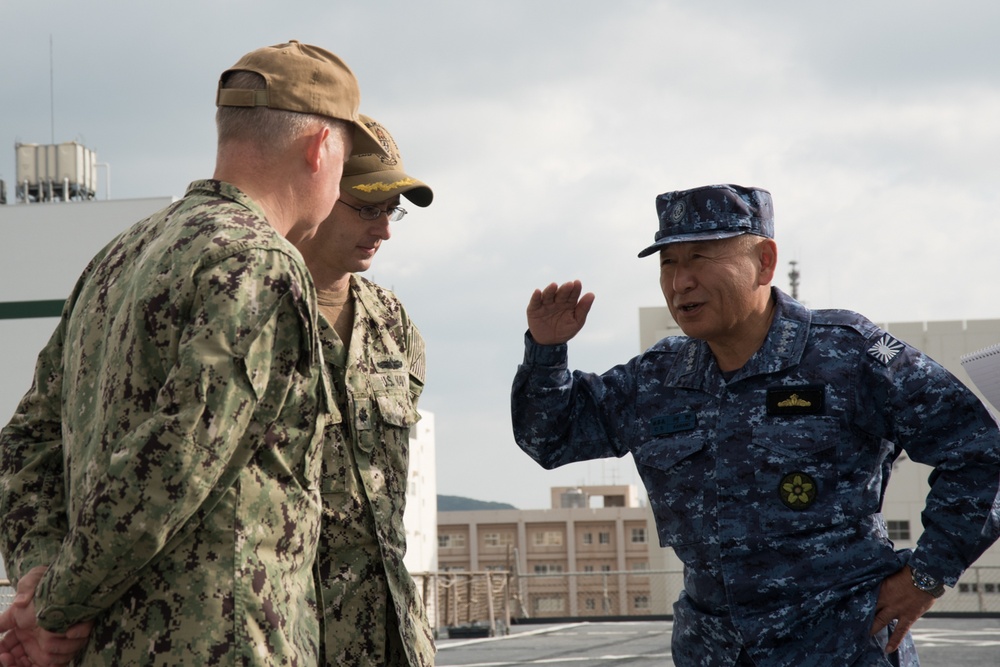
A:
765,438
160,479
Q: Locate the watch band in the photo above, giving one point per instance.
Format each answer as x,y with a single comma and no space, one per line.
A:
927,583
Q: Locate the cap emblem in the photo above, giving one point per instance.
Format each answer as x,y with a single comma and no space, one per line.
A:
391,156
677,212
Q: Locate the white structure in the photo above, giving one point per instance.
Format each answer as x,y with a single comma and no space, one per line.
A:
44,248
55,172
420,517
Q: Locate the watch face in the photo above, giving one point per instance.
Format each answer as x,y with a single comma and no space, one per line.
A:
927,584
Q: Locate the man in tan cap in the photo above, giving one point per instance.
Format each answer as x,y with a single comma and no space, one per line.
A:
372,613
160,478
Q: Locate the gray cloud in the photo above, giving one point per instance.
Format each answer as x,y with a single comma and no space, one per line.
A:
547,127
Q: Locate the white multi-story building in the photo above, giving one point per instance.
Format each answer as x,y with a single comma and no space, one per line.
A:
593,553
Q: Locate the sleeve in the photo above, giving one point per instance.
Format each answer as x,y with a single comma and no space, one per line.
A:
561,417
247,321
32,493
939,422
416,355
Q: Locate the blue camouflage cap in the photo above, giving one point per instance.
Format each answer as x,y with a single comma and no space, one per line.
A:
712,212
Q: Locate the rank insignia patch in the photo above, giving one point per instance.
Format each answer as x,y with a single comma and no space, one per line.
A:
795,400
797,490
886,349
667,424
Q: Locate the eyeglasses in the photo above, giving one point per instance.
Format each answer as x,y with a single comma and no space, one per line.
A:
370,212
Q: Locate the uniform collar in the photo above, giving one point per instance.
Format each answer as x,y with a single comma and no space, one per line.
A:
695,367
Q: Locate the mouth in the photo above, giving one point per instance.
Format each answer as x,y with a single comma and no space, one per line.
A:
688,308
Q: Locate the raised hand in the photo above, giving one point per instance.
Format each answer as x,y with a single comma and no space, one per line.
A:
558,312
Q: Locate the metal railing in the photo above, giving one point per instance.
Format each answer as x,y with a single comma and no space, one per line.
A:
6,594
488,602
457,598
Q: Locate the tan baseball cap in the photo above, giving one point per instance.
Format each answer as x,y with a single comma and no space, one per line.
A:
374,177
301,78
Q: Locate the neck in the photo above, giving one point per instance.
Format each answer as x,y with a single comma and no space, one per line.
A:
339,286
243,166
324,277
733,353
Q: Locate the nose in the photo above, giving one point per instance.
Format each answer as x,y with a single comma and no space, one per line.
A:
683,279
381,227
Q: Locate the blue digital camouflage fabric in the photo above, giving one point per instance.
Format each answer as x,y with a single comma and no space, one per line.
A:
165,463
769,486
372,612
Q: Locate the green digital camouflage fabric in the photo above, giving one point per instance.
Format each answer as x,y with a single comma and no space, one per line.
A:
165,462
372,611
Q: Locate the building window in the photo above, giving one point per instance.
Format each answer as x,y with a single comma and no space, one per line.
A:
588,568
449,540
588,538
548,538
605,568
898,530
638,536
589,604
640,566
553,604
548,568
989,588
640,602
968,588
604,538
498,539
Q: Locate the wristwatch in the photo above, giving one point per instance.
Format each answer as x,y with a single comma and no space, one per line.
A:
927,583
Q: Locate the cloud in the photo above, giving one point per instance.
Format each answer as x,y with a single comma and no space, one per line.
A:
546,129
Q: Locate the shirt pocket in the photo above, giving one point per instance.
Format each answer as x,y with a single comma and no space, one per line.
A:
388,414
797,473
396,408
676,472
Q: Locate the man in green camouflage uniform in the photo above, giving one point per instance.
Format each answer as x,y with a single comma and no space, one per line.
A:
164,465
372,612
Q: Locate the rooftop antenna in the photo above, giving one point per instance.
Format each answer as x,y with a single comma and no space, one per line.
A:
793,277
52,91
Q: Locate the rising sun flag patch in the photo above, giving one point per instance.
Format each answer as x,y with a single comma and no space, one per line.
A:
886,349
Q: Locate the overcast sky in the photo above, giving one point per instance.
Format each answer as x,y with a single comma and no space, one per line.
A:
546,129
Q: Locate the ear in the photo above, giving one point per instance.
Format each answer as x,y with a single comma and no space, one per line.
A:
767,258
315,143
